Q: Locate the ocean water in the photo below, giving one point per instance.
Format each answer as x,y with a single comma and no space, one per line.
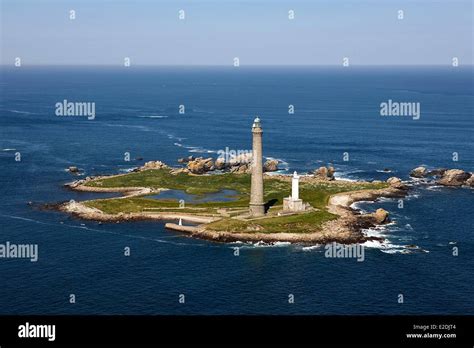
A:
336,112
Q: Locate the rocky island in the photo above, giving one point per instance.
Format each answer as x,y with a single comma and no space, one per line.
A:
328,216
239,200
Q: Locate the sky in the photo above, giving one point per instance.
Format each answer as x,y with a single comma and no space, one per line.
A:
258,32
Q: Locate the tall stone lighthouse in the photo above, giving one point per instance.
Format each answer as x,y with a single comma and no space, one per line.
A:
257,206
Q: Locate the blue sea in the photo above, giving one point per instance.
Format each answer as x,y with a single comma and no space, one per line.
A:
337,113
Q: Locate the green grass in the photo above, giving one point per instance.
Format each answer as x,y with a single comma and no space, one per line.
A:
301,223
316,194
162,178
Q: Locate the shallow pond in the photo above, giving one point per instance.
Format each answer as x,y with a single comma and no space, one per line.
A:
221,196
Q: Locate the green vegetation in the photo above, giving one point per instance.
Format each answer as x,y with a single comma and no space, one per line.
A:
193,184
301,223
316,194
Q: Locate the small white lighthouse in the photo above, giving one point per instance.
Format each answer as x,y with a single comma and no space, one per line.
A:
295,180
294,203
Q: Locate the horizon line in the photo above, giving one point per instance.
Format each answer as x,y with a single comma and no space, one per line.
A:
234,67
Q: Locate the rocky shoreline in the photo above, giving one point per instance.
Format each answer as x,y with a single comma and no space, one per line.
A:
445,177
82,211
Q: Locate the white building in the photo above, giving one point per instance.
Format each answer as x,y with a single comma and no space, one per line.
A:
294,203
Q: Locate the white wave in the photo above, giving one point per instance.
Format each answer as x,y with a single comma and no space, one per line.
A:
8,150
127,170
198,149
344,178
377,231
405,250
178,144
202,111
143,128
383,171
344,175
374,244
386,199
263,244
435,188
154,116
387,247
355,171
382,245
311,248
239,242
21,112
172,137
281,162
420,181
394,251
356,206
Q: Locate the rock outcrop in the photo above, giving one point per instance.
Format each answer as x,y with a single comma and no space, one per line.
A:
73,169
470,181
446,177
241,168
437,172
186,159
325,173
418,172
396,183
380,216
201,165
454,177
177,171
244,158
270,165
154,165
238,164
220,164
